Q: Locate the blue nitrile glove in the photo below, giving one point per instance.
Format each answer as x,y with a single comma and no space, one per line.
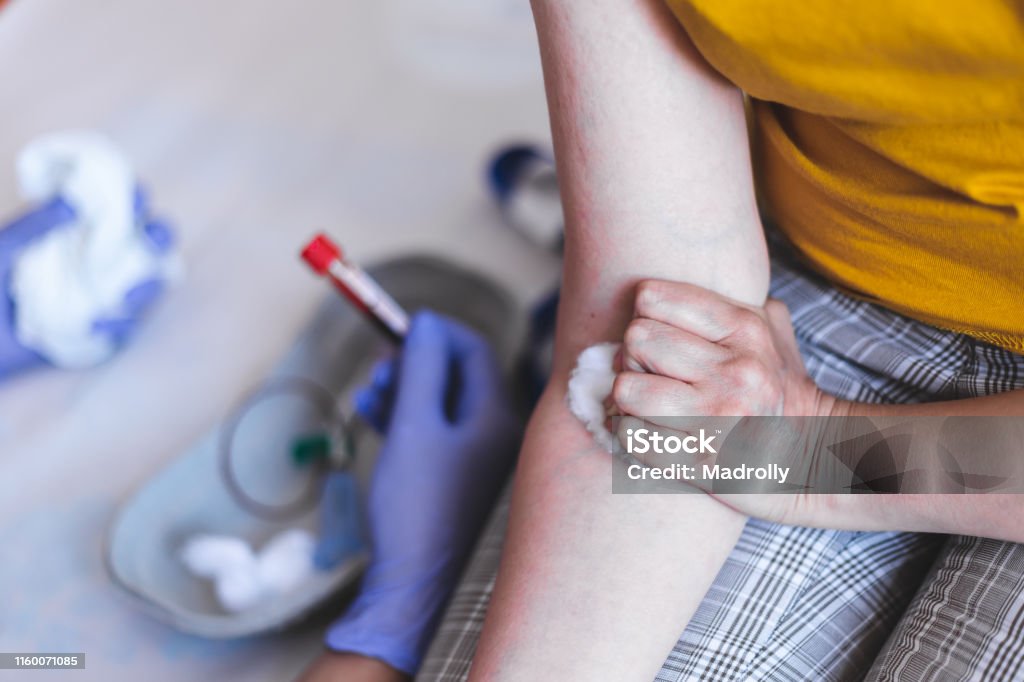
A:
451,438
23,230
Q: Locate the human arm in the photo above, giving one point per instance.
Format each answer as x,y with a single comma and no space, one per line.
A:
346,667
654,169
691,351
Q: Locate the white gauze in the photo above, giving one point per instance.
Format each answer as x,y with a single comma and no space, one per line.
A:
589,385
79,273
242,578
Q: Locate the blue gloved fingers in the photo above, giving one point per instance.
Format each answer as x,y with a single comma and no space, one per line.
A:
477,367
142,296
118,329
366,403
424,368
340,531
432,485
14,237
373,402
140,201
159,236
136,301
382,377
158,232
373,407
35,224
14,357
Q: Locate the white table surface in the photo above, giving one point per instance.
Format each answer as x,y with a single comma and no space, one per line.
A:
253,123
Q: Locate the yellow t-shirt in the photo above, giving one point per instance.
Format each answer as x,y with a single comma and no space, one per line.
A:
888,142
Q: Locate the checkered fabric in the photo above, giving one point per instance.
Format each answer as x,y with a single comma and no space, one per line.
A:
454,645
809,604
967,622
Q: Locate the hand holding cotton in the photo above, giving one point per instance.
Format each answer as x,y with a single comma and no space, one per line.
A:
68,279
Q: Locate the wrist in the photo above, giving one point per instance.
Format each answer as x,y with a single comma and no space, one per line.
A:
850,408
827,405
391,622
331,667
813,402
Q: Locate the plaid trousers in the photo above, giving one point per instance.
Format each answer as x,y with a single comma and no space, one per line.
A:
795,603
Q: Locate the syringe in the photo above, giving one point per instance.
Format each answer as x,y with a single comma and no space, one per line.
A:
359,288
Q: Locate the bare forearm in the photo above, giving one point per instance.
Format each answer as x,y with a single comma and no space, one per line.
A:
1010,404
653,161
1000,441
655,175
986,445
593,585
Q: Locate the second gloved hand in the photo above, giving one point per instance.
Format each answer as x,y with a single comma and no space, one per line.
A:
38,222
451,438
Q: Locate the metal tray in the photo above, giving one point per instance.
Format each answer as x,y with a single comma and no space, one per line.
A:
189,496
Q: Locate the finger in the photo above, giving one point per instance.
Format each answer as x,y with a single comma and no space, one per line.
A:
424,367
659,348
695,309
158,233
649,396
373,402
383,374
159,236
479,373
136,301
370,405
658,445
618,361
140,202
34,224
623,427
142,296
119,330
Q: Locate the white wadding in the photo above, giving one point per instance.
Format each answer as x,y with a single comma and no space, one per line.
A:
79,273
589,385
243,578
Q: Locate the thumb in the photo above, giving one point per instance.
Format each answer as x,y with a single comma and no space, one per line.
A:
423,369
34,224
481,380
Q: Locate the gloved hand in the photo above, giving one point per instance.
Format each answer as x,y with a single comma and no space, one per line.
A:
451,438
23,230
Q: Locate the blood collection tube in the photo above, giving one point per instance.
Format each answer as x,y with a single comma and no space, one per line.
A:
359,288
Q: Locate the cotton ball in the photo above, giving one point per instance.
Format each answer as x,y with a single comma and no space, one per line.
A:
244,579
287,560
590,383
211,555
239,588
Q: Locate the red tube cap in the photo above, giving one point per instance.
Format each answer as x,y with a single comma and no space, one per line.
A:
320,253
